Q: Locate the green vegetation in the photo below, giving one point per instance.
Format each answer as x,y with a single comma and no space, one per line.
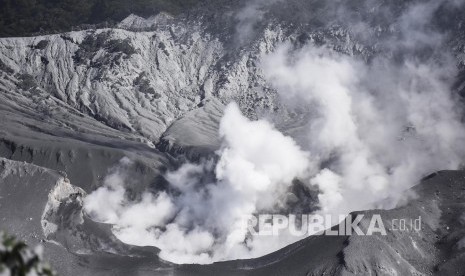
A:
29,17
17,259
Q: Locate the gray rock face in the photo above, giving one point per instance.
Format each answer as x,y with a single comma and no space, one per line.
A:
196,133
41,207
143,76
137,82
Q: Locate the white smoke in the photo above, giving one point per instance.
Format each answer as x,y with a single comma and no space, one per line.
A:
379,126
203,222
249,17
374,129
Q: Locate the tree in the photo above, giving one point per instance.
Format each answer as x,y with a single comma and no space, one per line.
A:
17,259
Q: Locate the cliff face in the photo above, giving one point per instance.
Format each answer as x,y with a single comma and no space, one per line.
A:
142,76
130,81
138,82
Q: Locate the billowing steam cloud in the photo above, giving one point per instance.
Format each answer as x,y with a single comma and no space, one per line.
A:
378,127
374,129
202,222
248,17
